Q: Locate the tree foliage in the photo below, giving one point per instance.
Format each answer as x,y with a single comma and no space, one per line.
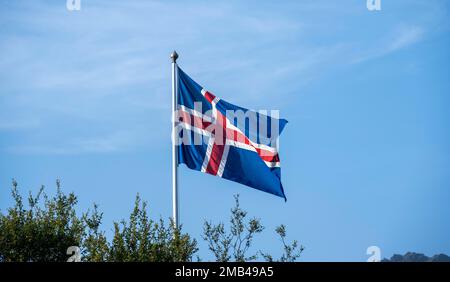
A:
44,232
43,228
235,244
40,233
291,252
142,239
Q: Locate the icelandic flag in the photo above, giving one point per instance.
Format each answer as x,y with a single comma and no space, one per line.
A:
226,140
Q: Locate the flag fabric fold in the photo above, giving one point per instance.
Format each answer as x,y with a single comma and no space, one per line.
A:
225,140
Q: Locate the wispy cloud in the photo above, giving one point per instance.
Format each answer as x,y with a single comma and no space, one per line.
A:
75,68
107,66
406,37
118,141
18,124
401,37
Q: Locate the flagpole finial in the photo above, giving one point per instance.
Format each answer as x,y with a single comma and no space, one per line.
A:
174,56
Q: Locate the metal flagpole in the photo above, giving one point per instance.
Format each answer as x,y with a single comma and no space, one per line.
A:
176,215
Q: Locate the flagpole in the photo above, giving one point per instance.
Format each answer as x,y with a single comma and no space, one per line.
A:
176,214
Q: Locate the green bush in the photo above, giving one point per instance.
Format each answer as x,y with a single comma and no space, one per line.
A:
46,227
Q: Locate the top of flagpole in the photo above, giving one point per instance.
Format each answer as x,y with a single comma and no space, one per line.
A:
174,56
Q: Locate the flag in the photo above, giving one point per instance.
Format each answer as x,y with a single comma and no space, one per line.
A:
225,140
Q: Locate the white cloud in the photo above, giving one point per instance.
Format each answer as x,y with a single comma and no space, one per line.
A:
405,37
19,124
108,65
400,38
119,141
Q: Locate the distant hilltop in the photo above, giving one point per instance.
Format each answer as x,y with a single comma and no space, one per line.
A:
417,257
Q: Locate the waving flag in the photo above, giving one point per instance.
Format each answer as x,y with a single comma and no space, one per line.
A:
222,139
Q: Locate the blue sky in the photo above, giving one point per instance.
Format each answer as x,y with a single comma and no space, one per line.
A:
85,96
